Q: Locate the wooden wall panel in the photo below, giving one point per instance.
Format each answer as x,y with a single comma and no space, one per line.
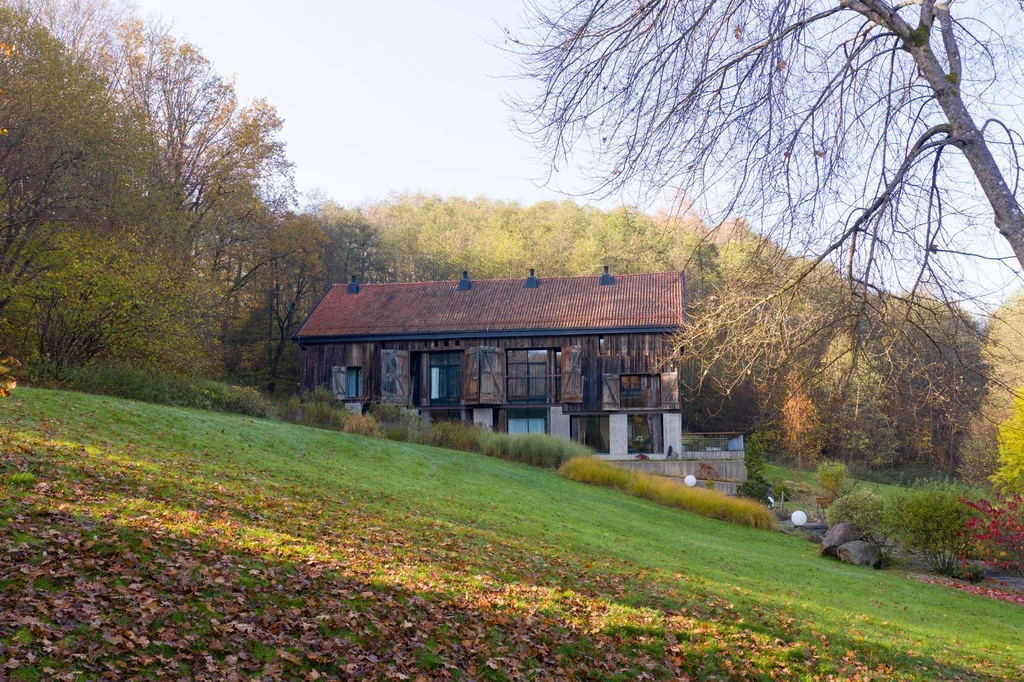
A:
637,353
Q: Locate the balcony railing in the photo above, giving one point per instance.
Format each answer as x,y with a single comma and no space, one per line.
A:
712,442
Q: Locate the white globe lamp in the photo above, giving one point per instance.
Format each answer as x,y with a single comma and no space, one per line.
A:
690,480
799,518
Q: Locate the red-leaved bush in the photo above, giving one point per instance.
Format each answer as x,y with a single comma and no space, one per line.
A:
998,531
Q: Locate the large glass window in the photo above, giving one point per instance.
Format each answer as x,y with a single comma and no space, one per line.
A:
445,378
355,382
527,376
528,420
640,437
594,432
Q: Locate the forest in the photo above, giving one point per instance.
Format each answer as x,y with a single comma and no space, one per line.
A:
151,221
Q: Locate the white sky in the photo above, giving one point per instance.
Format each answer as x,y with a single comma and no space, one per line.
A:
377,97
385,97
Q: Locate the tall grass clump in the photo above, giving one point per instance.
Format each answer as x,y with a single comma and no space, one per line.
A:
670,493
123,381
321,409
455,436
531,448
535,449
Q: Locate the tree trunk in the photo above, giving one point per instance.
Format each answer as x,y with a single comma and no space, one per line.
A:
1009,218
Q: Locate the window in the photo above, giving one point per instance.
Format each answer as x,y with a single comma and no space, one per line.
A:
593,431
445,378
527,376
639,390
528,420
640,438
355,382
630,394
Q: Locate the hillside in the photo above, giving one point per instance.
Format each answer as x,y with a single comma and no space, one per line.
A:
138,540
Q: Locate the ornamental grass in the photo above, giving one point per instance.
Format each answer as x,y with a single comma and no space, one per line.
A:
670,493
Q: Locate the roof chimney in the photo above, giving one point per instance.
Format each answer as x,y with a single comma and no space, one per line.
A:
606,278
464,284
531,282
353,286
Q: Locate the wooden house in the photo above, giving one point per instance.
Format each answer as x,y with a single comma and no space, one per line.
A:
576,357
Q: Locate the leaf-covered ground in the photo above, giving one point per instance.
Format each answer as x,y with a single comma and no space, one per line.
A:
141,541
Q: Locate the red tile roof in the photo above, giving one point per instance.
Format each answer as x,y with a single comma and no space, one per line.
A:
559,304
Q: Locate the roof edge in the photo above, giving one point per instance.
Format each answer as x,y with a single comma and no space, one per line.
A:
482,334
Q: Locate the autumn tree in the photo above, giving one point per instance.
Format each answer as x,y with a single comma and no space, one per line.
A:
220,161
66,155
290,283
112,299
1010,474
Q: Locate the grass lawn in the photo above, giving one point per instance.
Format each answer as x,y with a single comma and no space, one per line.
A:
144,541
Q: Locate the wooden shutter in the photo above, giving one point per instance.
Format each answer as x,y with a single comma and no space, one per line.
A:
471,376
394,376
572,375
670,390
339,379
492,375
402,375
610,391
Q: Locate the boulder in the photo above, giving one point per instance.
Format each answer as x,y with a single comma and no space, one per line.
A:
815,537
837,536
861,553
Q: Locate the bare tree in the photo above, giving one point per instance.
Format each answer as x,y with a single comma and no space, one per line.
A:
875,142
862,132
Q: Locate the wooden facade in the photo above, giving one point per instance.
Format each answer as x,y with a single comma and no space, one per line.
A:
582,374
582,370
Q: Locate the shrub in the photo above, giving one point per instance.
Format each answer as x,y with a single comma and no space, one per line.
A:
930,521
388,413
667,492
787,488
863,509
7,379
321,409
968,572
831,478
323,415
362,425
151,387
998,531
320,396
756,487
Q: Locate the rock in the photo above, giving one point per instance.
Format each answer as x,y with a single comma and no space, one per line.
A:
861,553
815,537
837,536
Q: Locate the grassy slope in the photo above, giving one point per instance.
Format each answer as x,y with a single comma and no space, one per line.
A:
283,549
